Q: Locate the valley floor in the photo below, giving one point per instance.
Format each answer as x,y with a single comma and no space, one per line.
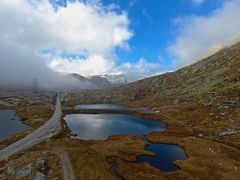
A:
209,156
209,135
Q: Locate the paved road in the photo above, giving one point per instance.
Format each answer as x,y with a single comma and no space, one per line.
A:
66,164
47,130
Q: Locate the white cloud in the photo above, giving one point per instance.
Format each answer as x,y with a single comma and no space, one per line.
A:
92,65
79,26
139,70
200,36
91,27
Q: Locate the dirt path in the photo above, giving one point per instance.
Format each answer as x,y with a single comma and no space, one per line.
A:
66,164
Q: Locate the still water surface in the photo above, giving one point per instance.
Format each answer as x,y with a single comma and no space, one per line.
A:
10,124
100,126
166,154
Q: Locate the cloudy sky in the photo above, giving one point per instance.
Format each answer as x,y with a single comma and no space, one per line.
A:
139,38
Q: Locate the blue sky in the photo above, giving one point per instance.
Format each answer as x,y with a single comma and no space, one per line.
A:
138,38
154,27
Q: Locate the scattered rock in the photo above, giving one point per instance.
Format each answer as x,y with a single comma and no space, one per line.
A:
41,161
221,107
39,176
207,103
176,101
226,107
228,133
223,114
200,135
229,103
26,171
10,170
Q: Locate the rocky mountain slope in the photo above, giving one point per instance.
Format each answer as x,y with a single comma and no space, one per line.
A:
116,79
204,96
101,82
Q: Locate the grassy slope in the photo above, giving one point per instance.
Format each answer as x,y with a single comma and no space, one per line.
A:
197,103
204,96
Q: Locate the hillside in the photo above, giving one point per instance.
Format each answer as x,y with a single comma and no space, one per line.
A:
203,96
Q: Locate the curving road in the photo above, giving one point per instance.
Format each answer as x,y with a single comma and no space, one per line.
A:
44,132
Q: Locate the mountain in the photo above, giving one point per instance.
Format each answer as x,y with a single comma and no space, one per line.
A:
210,81
79,77
101,82
204,96
116,80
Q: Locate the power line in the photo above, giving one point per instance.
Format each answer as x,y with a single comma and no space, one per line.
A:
35,86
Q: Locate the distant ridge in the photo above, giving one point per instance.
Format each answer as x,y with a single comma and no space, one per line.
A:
101,82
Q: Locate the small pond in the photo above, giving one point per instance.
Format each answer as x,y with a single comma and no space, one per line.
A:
100,126
10,124
166,154
101,106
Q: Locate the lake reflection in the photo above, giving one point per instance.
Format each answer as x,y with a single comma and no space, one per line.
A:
100,126
166,154
10,124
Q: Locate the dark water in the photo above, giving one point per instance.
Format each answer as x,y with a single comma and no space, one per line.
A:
100,126
101,106
166,154
10,124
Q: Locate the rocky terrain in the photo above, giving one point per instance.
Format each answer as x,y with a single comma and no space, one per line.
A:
204,96
39,162
116,79
199,104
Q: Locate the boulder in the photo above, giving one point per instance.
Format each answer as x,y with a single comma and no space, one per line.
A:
26,171
228,133
41,161
229,103
10,170
39,176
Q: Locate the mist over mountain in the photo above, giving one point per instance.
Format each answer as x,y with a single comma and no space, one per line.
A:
100,82
18,69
